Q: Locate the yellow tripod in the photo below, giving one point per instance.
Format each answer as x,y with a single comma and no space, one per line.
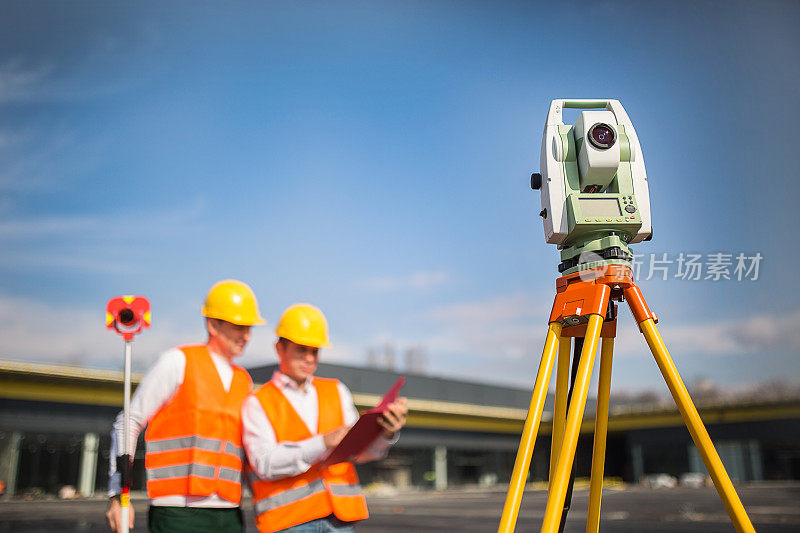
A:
580,305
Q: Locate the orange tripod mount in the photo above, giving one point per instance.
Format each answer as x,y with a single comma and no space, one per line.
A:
582,301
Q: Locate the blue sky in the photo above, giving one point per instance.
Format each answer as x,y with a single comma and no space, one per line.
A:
373,158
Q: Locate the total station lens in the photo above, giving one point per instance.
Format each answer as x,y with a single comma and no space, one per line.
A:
602,136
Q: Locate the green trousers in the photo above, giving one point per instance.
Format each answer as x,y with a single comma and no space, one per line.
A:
194,520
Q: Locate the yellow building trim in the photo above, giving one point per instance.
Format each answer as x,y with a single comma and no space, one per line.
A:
429,420
713,415
368,401
51,370
60,392
69,384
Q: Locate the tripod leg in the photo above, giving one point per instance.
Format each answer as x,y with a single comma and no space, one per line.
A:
600,433
560,408
519,475
577,350
695,425
566,455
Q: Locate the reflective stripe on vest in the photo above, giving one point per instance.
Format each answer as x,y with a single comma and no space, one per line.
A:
193,443
289,496
194,469
318,492
234,450
230,474
181,471
297,494
212,445
202,443
345,490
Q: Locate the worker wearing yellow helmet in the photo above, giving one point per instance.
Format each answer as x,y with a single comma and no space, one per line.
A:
190,401
289,425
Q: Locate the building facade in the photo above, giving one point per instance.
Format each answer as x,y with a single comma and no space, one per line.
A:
55,423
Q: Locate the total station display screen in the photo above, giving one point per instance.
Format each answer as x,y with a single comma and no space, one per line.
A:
600,207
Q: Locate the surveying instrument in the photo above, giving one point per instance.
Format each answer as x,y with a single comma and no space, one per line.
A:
595,204
127,315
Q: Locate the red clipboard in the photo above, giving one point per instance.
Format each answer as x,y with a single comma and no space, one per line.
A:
364,431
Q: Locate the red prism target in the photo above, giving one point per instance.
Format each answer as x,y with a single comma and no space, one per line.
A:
128,315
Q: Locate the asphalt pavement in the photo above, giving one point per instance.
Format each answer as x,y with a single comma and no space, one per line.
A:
773,508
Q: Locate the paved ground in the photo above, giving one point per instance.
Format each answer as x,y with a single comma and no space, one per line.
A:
773,509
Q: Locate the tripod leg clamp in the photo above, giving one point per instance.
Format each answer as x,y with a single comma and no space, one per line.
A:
637,304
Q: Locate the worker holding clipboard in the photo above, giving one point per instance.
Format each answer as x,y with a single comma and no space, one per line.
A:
302,435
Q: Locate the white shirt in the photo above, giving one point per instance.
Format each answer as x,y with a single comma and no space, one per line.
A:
271,459
157,388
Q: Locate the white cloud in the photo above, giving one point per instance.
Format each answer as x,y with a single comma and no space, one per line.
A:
508,326
514,326
418,281
343,353
513,307
752,334
47,226
497,339
90,260
261,351
88,242
16,79
101,68
41,332
41,160
138,222
36,331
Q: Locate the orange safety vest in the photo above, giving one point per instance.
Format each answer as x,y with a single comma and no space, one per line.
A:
319,491
194,442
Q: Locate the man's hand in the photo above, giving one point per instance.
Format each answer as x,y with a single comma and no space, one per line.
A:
393,418
334,437
114,515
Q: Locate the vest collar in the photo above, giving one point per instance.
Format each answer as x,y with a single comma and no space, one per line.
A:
219,358
285,382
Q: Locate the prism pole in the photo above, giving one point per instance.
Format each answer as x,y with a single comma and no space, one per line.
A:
125,497
127,315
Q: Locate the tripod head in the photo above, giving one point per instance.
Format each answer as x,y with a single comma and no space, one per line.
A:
595,198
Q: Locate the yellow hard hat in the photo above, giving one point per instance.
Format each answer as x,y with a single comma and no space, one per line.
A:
304,324
232,301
